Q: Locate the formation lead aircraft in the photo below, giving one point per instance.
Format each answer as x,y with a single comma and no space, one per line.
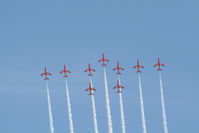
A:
159,65
103,60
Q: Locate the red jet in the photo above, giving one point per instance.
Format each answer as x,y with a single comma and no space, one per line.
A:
119,87
103,60
118,68
65,71
159,65
46,74
138,66
89,70
91,89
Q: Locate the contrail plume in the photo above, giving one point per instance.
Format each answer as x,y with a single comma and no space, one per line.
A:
94,109
163,105
50,110
142,106
70,118
108,109
122,110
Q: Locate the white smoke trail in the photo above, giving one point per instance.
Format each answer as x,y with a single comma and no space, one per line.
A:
50,110
69,108
108,109
163,106
142,106
123,125
94,110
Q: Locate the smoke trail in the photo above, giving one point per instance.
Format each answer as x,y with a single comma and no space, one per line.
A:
94,110
50,110
163,106
108,109
122,111
69,109
142,106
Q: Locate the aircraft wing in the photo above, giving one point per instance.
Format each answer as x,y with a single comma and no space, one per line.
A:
134,67
92,70
93,89
122,86
115,69
107,60
49,74
121,68
42,74
61,71
100,60
115,87
155,65
68,71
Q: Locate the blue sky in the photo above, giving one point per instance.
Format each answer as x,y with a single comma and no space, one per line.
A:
39,33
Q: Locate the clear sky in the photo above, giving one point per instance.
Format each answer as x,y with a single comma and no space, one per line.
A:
39,33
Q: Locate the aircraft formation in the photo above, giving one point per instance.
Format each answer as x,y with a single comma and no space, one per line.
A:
103,60
119,88
65,71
